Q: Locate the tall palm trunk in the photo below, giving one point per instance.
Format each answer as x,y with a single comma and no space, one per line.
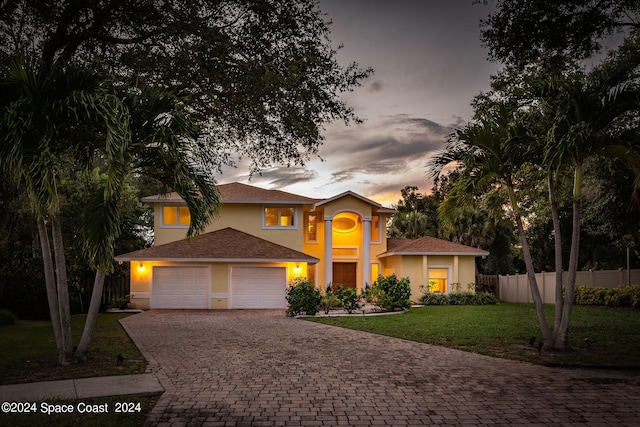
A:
563,333
557,240
531,274
50,285
92,315
63,291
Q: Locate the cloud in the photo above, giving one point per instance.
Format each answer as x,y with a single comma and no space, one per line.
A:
279,178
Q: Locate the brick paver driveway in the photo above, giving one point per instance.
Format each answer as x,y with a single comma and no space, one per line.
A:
255,368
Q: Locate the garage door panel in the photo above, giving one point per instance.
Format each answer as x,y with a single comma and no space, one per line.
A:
258,287
180,287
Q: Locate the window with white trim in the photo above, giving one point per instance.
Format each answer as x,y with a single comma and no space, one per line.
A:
175,216
279,217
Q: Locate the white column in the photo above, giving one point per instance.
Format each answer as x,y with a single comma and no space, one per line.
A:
366,252
328,251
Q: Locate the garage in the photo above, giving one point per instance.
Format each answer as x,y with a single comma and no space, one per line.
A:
180,287
258,287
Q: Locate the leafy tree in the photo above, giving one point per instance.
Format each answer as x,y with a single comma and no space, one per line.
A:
522,32
259,76
47,116
417,215
490,152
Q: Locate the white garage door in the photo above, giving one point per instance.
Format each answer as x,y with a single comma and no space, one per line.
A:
258,287
180,287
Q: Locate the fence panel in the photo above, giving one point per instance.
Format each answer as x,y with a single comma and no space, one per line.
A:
515,287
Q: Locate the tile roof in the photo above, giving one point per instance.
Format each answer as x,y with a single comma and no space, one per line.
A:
237,192
428,246
224,245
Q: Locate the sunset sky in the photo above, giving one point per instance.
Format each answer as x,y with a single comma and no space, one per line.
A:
428,65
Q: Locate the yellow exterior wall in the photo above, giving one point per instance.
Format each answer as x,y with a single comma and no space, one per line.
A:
219,287
416,268
247,218
347,203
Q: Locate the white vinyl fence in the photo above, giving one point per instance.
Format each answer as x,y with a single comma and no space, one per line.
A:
515,287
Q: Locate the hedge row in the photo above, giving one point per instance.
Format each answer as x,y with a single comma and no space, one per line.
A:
461,298
622,296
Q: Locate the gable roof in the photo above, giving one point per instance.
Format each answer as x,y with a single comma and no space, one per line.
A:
377,206
226,245
428,246
236,192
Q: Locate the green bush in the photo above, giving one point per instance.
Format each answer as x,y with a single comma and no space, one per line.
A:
434,298
622,296
349,298
303,297
330,301
7,317
462,298
393,294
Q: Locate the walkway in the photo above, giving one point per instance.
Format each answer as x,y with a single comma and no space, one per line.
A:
259,368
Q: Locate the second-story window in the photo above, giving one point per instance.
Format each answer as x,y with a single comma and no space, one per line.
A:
312,228
279,217
375,229
175,216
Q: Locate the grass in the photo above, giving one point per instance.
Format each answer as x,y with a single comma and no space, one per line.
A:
28,351
28,354
504,330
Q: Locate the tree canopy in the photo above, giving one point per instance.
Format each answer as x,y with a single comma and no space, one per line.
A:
259,75
523,32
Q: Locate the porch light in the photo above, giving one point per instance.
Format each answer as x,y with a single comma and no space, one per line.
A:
141,268
297,269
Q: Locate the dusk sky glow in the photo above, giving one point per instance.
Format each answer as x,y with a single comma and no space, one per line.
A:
428,65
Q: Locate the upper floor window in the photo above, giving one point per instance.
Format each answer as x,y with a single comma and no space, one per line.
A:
312,228
280,217
175,216
375,229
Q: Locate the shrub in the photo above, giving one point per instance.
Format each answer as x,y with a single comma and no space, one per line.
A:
303,297
330,301
349,298
393,294
7,317
372,294
622,296
434,298
463,298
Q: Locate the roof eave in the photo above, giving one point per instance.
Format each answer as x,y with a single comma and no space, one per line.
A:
404,253
235,260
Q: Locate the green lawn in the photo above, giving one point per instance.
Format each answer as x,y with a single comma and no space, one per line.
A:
28,353
504,330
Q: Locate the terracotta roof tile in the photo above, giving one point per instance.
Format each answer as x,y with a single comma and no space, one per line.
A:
227,244
429,246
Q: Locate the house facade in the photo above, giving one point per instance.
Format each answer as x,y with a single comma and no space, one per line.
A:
264,239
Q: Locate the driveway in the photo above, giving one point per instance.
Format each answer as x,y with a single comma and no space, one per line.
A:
259,368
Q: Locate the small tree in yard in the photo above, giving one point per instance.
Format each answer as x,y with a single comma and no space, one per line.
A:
393,294
303,297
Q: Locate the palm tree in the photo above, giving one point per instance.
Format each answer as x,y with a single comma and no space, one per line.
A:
586,115
47,116
160,148
71,117
490,152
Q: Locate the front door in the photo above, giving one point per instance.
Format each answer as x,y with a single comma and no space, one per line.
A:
344,273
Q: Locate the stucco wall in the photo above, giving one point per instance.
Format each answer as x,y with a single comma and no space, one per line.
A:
219,288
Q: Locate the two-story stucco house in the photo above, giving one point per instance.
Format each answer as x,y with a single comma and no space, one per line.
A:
263,239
